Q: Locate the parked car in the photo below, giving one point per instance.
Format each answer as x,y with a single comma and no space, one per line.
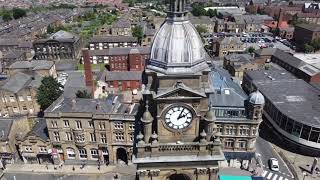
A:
274,164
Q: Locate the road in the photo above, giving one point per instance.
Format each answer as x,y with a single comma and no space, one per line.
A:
266,151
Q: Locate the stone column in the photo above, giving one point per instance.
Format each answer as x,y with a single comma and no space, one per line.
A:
147,124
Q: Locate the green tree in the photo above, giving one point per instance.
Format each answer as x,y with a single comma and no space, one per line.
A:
198,10
315,44
212,13
201,29
251,50
83,94
307,48
6,16
138,33
48,92
18,13
275,31
50,29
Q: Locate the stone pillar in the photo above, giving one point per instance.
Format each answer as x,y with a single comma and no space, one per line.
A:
147,124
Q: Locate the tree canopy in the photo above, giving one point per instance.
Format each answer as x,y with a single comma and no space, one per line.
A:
251,49
18,13
307,48
138,33
48,92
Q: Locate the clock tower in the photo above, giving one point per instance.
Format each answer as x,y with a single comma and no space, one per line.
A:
177,138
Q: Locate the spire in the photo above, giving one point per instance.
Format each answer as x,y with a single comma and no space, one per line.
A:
147,117
177,9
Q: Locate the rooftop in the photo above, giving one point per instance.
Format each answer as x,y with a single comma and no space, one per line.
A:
119,51
112,39
19,81
112,104
310,27
293,97
5,127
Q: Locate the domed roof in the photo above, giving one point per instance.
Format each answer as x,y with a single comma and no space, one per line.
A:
177,45
256,98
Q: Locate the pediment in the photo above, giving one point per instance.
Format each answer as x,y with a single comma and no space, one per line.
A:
180,93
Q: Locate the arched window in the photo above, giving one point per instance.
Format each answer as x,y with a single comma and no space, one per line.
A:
83,153
70,153
94,153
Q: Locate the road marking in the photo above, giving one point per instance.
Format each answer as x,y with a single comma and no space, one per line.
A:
270,175
264,173
275,177
280,178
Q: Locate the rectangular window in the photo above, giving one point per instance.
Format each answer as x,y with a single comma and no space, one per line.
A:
29,98
80,138
68,136
94,154
119,136
82,154
12,99
131,137
103,138
66,123
78,125
296,129
229,143
102,125
56,136
54,124
24,108
118,125
305,132
131,126
15,110
289,126
21,99
42,149
314,136
28,148
92,137
242,144
90,124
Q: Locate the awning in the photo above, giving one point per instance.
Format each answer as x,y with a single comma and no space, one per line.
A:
239,155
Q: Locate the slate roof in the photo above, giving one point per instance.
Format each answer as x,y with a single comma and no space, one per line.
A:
60,35
288,58
291,96
21,80
111,105
14,54
265,52
112,39
5,127
119,51
230,40
310,27
75,82
227,92
35,65
40,130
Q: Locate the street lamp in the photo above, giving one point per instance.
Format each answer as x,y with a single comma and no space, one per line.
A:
304,174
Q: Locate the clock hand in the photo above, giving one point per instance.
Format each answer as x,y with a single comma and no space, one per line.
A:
180,113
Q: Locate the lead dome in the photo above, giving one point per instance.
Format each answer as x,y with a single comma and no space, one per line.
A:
177,45
256,98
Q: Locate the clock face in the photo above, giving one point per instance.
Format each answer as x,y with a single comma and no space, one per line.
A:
178,117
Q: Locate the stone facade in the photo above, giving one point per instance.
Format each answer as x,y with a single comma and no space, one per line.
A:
229,45
92,134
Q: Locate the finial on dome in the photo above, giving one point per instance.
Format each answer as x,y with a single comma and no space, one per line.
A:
140,138
177,8
203,136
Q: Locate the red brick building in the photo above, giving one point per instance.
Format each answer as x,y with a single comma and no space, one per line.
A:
121,59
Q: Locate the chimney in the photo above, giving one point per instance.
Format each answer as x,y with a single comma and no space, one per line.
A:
87,70
280,19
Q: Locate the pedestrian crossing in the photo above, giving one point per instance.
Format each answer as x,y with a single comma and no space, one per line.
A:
273,176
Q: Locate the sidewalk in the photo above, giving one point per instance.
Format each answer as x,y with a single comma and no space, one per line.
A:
298,162
126,170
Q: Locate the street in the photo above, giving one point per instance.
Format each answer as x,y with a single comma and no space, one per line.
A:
266,151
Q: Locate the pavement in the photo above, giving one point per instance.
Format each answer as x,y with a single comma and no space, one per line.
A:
43,172
298,161
267,151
